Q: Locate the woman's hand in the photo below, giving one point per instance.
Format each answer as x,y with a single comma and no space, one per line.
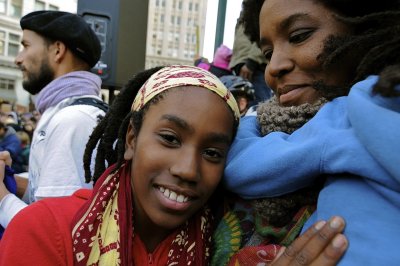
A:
322,244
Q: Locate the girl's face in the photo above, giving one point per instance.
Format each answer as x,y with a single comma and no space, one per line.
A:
292,35
178,156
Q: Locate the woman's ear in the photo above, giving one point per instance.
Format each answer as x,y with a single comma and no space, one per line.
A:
129,143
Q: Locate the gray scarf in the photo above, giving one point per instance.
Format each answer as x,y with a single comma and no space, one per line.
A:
271,117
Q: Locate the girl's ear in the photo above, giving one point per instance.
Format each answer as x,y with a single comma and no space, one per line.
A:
130,140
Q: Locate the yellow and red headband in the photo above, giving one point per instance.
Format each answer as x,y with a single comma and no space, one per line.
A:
180,75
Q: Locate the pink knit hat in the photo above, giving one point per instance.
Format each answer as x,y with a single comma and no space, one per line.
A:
222,57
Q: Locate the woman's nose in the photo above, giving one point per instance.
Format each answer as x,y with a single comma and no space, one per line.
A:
279,64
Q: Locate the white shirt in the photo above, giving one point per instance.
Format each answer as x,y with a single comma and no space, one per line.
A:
56,156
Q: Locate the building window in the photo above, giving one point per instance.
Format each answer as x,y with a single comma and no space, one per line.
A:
16,8
39,5
180,5
7,84
2,42
13,44
3,5
196,7
54,8
190,6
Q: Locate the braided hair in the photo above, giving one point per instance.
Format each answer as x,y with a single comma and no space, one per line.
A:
109,135
374,43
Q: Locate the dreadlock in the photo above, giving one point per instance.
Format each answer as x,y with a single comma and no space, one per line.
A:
374,43
109,135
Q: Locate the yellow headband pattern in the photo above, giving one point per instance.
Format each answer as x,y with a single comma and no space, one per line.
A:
180,75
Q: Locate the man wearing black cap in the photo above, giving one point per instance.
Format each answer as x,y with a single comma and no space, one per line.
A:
59,48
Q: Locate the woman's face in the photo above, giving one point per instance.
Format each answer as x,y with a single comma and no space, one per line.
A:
178,156
292,35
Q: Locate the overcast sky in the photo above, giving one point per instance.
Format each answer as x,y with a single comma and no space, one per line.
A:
232,13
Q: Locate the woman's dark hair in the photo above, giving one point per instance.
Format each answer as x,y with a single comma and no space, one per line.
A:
374,43
109,135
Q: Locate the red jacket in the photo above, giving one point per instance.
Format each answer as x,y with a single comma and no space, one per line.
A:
40,234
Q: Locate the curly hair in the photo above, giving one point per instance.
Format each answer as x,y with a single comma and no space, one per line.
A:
374,43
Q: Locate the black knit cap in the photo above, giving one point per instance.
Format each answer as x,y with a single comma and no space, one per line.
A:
69,28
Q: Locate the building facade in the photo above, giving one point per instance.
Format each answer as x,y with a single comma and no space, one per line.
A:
175,35
175,31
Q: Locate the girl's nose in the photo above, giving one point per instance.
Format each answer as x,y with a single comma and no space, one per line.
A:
186,166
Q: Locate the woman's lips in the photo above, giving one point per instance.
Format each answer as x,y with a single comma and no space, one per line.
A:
289,95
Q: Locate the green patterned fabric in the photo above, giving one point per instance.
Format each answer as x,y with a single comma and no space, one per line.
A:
233,231
241,227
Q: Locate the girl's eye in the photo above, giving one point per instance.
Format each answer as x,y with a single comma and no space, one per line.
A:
299,36
169,139
214,155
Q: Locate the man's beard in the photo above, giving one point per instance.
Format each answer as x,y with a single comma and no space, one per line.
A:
35,82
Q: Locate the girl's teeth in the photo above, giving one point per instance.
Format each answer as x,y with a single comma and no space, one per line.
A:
180,198
166,193
172,196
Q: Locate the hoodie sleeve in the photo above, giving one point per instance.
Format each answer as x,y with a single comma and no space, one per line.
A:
271,165
279,163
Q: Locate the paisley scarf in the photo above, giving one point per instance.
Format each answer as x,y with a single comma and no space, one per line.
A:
103,229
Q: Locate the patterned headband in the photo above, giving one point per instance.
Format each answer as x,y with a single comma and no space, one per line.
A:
180,75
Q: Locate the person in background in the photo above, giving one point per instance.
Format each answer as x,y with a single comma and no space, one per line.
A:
59,48
328,142
25,149
10,142
220,64
241,89
248,62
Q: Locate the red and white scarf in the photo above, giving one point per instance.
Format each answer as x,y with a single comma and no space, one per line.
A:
103,228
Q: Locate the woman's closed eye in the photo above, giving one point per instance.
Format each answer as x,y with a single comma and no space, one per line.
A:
300,35
267,54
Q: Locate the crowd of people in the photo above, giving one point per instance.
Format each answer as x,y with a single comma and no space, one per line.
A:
16,131
189,166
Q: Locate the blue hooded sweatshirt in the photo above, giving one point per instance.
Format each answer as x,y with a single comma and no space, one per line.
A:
355,140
